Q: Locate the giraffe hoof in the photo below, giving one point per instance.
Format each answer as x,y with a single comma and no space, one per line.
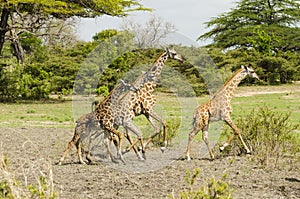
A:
188,158
163,149
221,148
142,159
124,151
144,156
139,148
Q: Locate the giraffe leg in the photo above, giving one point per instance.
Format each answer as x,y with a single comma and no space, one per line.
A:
94,136
79,151
107,142
119,147
236,131
192,135
151,118
132,145
70,146
74,140
206,140
130,126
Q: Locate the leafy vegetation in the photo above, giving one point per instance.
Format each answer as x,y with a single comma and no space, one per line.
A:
265,25
270,135
10,188
212,188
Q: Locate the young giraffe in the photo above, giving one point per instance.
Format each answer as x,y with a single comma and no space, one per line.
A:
219,108
145,99
88,125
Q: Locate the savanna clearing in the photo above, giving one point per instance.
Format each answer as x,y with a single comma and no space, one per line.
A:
33,136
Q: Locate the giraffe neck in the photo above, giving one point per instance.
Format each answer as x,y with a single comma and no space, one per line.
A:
153,73
114,95
156,68
231,84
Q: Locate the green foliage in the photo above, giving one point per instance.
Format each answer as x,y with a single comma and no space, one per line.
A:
28,82
42,190
262,41
172,125
278,68
5,191
10,188
277,19
213,189
172,129
102,90
66,8
104,35
270,135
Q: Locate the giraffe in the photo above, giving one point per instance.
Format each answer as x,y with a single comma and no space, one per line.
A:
116,111
219,108
141,101
88,125
146,99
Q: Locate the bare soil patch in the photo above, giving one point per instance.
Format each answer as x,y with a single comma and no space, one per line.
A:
27,147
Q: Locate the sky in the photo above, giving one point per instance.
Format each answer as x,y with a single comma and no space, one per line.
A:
188,17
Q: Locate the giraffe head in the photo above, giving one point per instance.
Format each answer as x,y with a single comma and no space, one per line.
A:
249,70
126,87
173,54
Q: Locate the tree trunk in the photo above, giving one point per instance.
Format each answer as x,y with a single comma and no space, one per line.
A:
3,27
16,46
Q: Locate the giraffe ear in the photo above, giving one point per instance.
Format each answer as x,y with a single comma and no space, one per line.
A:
244,67
167,50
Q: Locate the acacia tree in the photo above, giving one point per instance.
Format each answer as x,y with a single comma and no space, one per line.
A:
245,25
18,16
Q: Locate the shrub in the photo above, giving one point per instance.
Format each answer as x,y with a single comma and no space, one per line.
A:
213,189
270,135
172,131
11,188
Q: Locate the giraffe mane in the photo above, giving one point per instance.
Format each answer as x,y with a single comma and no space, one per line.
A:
229,80
158,58
237,72
111,93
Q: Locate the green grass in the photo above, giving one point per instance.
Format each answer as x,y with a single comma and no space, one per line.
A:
37,114
281,103
58,114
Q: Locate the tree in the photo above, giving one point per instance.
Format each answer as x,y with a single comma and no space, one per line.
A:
150,35
274,18
29,16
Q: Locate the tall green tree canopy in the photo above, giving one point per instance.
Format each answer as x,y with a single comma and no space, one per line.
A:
19,16
250,21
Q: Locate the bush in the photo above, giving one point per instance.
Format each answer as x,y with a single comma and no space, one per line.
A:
213,189
270,135
11,188
172,131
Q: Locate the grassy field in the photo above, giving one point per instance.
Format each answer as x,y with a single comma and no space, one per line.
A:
58,114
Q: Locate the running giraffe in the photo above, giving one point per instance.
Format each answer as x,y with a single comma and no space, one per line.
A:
88,124
145,99
141,102
115,112
219,108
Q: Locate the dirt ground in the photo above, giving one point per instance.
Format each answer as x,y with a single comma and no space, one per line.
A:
34,152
